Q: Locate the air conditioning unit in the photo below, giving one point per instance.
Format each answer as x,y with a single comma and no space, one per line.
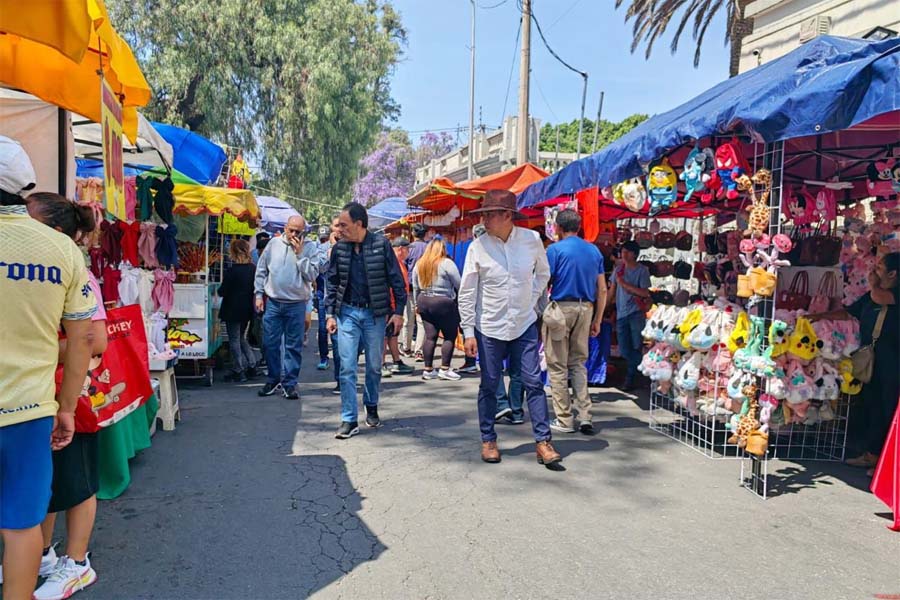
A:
813,27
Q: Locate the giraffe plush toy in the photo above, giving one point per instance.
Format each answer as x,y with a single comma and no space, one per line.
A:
748,421
758,222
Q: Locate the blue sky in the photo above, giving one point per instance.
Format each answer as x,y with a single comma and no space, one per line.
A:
431,83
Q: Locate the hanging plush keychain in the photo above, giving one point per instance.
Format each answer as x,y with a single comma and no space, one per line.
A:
634,195
662,184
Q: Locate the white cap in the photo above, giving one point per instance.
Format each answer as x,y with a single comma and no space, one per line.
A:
16,172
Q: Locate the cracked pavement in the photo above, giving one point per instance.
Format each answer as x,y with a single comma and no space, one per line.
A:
254,498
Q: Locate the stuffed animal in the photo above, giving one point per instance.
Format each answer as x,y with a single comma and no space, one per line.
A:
688,377
768,404
849,384
730,165
881,179
662,186
697,168
828,386
758,219
634,196
747,421
799,206
800,388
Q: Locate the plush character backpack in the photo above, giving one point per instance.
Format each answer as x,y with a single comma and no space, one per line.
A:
881,177
800,387
634,196
825,206
662,183
688,376
730,165
803,343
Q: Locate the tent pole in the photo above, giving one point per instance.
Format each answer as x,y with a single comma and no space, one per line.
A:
62,154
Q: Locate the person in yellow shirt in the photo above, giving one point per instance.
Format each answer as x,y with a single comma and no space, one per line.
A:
43,283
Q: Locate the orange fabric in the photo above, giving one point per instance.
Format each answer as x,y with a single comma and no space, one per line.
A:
442,194
886,482
590,212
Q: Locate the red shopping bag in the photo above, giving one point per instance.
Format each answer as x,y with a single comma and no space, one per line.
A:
118,383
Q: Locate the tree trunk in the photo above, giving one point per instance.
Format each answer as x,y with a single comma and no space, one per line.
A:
740,28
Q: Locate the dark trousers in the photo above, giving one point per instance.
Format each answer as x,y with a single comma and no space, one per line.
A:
439,316
320,311
524,351
241,352
631,342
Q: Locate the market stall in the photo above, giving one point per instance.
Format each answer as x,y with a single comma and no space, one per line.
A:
796,197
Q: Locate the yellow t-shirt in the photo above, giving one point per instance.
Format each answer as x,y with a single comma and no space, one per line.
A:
43,280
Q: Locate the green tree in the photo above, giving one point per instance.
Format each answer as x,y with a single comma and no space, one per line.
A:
651,19
568,134
301,84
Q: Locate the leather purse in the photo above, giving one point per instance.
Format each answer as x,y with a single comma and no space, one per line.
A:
664,240
682,270
662,268
644,239
796,296
864,358
684,240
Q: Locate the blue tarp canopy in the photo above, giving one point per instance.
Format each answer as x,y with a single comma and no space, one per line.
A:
195,156
828,84
387,211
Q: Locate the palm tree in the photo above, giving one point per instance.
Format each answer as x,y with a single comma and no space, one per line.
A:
651,18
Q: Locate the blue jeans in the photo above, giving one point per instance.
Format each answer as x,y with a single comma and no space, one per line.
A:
284,320
628,331
515,397
524,352
322,333
356,327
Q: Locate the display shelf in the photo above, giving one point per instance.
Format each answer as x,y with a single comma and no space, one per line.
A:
701,432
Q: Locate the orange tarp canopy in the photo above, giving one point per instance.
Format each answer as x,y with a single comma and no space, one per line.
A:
442,194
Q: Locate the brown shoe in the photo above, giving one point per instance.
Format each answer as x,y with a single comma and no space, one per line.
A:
546,455
489,452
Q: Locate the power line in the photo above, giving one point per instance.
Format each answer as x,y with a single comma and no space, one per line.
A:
512,67
290,197
560,17
499,4
544,98
547,45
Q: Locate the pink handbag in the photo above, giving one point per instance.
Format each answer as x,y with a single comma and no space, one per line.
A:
827,297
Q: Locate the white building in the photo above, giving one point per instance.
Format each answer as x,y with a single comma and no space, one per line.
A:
494,151
780,26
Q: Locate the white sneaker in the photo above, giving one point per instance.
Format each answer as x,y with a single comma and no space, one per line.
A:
555,425
432,374
449,374
67,578
48,562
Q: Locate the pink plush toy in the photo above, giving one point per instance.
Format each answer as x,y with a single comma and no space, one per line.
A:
781,244
767,404
747,248
800,387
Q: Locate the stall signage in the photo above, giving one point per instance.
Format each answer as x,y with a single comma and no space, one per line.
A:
113,169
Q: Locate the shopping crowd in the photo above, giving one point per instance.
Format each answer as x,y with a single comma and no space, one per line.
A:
514,300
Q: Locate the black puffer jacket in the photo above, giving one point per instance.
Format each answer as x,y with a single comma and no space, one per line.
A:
382,270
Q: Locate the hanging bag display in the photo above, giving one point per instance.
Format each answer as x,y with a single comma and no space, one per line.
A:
664,240
797,294
826,295
644,239
740,334
762,282
684,241
864,358
744,286
803,342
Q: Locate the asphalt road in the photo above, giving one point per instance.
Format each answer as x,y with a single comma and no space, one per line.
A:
254,498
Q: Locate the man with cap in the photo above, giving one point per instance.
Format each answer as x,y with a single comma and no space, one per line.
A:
411,318
630,281
505,274
44,283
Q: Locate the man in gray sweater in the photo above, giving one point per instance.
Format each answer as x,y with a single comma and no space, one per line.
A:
285,274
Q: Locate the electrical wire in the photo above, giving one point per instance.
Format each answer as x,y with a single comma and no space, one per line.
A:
560,17
283,195
547,45
544,98
512,68
499,4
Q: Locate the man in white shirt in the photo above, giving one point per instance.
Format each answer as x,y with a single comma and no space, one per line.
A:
505,274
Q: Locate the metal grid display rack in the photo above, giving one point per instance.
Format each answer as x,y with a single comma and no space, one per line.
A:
824,441
701,432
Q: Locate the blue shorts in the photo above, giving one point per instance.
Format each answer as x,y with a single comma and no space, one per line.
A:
26,473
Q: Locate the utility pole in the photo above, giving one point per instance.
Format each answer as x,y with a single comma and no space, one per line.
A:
597,124
471,172
581,121
524,74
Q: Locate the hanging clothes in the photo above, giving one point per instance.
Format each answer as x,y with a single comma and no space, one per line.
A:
110,242
130,197
145,197
128,284
163,290
111,278
166,246
147,245
145,291
129,241
98,261
163,201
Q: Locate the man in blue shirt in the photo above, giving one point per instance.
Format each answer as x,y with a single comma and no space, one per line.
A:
630,281
577,301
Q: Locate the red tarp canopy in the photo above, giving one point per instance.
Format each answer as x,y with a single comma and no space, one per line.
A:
442,194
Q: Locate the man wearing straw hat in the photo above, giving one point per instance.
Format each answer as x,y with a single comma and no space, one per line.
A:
505,274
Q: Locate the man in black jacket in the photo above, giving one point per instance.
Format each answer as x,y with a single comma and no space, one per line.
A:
361,275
